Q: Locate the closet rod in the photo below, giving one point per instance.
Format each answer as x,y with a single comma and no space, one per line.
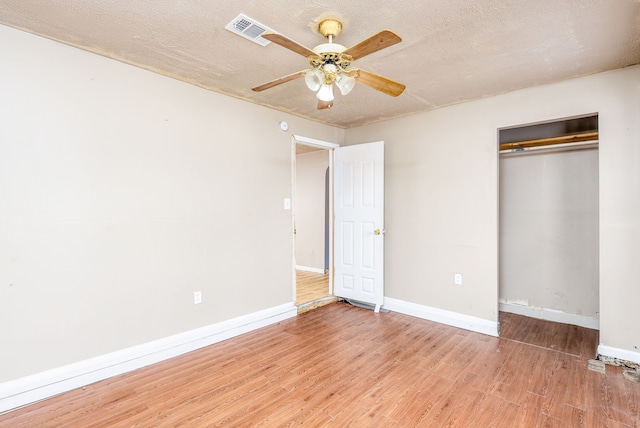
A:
553,148
566,139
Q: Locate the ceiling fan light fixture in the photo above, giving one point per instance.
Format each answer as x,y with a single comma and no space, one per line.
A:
330,68
345,83
325,93
313,79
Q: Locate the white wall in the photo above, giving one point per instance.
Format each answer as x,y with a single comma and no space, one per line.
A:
549,231
310,208
442,196
122,192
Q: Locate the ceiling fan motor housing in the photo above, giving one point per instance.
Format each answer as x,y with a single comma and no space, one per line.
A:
332,64
329,48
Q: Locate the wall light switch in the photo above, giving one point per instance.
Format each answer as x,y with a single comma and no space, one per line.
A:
457,279
287,203
197,297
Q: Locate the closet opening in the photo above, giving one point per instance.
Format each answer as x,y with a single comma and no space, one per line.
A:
549,234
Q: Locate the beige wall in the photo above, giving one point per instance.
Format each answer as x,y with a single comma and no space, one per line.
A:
310,208
122,192
549,231
442,196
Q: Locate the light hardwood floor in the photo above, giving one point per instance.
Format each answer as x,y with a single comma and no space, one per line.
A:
346,366
311,286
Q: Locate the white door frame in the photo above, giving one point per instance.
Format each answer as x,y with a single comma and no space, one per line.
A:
299,139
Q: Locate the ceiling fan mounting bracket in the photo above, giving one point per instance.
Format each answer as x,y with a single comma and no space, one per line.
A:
330,28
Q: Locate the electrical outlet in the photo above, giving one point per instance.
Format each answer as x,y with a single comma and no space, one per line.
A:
457,279
197,297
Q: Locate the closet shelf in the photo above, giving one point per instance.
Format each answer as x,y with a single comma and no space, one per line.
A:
566,139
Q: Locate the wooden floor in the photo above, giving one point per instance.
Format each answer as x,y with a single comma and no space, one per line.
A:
570,339
346,366
311,286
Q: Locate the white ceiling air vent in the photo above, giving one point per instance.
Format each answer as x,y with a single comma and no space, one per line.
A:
249,28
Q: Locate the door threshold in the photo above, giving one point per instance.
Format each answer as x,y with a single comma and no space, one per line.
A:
314,304
363,305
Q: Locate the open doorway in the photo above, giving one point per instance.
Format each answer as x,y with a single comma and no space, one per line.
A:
548,243
312,217
358,264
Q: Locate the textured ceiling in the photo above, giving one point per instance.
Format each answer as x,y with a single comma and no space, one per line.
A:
452,50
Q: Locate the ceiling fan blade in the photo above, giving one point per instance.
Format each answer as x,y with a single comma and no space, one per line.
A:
279,81
285,42
324,104
380,83
383,39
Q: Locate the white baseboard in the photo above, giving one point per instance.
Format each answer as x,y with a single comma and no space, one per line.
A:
310,269
550,315
620,354
442,316
29,389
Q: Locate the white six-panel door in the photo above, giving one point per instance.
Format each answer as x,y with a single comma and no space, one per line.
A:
359,223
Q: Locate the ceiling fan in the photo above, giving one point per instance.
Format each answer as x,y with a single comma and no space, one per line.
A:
331,63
